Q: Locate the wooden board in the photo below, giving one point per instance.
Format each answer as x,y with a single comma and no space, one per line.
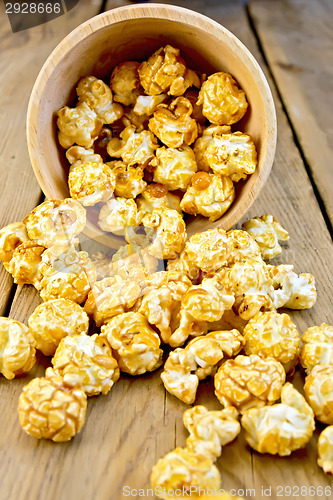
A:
297,39
137,422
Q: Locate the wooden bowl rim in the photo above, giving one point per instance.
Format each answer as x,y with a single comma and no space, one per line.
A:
163,12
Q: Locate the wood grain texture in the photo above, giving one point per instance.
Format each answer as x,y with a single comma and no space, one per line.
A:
128,430
297,39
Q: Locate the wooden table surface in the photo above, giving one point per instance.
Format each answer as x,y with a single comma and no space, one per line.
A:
128,430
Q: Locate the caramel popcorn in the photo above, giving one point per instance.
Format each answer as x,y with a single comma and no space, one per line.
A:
135,344
318,390
25,261
65,273
223,101
249,382
79,125
52,408
184,469
210,430
192,95
291,290
209,250
206,139
56,221
173,123
281,428
77,154
118,215
129,181
174,167
317,347
232,154
17,348
325,450
157,196
161,306
88,359
98,96
109,297
270,334
125,82
133,147
185,367
267,232
55,319
242,247
11,237
168,230
146,104
90,182
165,71
133,262
185,266
208,195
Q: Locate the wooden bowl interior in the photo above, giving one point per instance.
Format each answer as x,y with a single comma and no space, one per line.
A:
98,52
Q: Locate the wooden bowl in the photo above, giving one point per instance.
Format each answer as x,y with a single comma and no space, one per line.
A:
133,33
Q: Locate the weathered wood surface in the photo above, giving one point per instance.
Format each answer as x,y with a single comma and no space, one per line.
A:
297,39
137,423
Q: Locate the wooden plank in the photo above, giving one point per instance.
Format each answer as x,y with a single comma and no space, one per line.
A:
297,39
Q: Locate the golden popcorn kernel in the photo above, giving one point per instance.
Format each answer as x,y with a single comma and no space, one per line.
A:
17,348
274,335
223,101
317,346
291,290
98,96
55,319
167,229
125,82
11,237
79,125
90,182
88,359
281,428
318,390
182,468
174,167
25,261
136,346
325,450
249,382
133,147
117,215
267,232
50,408
129,179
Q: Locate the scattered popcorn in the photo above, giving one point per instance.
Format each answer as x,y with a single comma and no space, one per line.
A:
125,82
133,262
88,359
65,273
17,348
267,232
25,261
133,147
318,390
231,154
129,181
79,125
55,319
281,428
317,347
173,123
185,266
157,196
209,250
90,182
110,297
208,195
174,167
325,450
98,96
11,237
136,346
146,104
168,230
52,408
185,367
182,468
165,71
205,140
56,221
118,215
291,290
249,382
223,101
270,334
210,430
